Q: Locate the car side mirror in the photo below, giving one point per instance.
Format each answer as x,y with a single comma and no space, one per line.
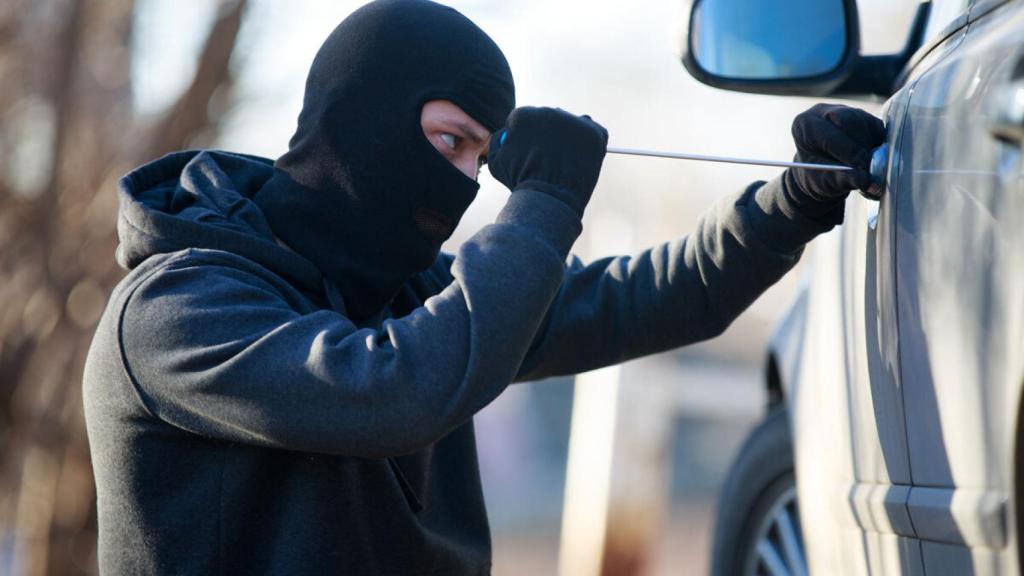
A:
772,46
795,47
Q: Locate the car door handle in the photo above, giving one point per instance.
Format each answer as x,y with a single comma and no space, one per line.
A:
1007,122
879,176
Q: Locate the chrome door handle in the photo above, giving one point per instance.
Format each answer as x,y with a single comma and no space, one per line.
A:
1007,122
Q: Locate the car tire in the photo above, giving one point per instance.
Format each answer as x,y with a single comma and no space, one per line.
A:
757,524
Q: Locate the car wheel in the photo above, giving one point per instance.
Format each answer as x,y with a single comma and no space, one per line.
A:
757,527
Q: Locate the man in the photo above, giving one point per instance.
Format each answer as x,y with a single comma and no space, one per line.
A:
285,381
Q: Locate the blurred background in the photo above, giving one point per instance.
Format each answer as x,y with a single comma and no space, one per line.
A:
91,88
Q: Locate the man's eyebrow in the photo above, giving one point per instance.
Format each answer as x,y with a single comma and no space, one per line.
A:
468,131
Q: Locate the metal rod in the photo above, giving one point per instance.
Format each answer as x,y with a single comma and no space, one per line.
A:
700,157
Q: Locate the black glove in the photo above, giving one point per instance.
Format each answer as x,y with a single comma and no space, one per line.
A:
831,134
551,151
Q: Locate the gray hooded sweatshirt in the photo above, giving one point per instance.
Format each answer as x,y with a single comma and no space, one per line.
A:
241,423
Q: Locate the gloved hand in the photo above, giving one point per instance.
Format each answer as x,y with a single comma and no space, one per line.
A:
830,134
551,151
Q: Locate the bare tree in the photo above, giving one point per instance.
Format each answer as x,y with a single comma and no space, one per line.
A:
67,133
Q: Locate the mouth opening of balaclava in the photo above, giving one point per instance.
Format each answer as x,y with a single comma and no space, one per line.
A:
361,192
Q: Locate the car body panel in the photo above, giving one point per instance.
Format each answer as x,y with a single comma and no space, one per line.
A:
959,234
902,358
819,408
869,331
902,470
853,468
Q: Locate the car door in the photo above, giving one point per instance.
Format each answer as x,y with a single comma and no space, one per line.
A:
871,476
853,469
959,236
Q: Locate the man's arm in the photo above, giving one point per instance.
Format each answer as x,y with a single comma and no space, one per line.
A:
620,308
214,347
690,290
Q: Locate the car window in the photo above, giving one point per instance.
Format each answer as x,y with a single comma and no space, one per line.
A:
944,12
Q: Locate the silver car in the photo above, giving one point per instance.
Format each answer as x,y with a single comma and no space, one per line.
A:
893,442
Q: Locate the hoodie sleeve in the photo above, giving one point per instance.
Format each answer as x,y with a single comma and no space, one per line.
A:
678,293
213,346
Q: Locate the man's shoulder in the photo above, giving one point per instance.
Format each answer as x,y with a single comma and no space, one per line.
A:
198,269
186,258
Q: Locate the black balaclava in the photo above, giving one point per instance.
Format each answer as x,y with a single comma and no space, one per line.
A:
361,192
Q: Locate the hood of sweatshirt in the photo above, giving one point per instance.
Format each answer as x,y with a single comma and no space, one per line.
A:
204,200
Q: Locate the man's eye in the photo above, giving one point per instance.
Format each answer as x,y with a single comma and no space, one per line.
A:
449,140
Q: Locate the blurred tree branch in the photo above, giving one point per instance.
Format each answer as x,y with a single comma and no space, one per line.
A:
190,115
67,133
